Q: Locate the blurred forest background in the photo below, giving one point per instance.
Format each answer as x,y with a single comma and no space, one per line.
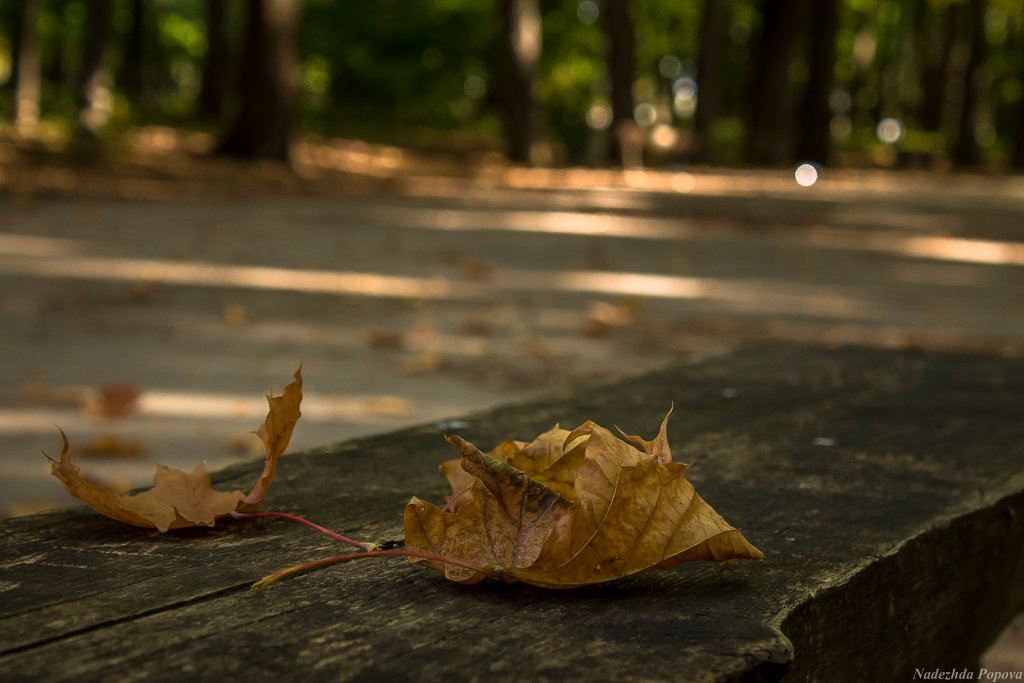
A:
932,84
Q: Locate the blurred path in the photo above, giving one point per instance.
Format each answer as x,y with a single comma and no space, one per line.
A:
422,305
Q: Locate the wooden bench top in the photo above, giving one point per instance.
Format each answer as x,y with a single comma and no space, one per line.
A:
885,488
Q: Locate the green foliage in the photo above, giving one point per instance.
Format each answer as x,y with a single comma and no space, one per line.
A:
427,71
377,68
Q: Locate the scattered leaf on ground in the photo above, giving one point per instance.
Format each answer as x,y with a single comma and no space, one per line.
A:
384,340
569,509
236,315
40,392
118,399
603,316
477,326
111,446
475,269
422,363
540,349
423,335
180,499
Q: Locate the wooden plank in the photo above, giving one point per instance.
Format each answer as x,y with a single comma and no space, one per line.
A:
886,490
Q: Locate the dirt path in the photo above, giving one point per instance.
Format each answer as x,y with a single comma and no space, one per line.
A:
443,297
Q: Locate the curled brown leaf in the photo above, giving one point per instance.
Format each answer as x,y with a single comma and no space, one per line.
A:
570,509
179,499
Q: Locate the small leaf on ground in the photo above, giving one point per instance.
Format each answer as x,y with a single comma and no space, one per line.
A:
423,363
114,400
178,499
111,446
384,340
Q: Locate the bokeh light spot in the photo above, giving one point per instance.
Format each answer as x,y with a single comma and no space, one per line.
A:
474,87
645,114
841,126
806,175
840,101
890,130
664,136
599,116
588,11
684,96
669,66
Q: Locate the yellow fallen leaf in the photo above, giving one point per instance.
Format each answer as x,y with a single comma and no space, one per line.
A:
569,509
178,499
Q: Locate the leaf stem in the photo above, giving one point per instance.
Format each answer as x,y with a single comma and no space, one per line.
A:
300,520
266,581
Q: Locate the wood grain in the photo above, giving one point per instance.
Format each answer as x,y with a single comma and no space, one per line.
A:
885,488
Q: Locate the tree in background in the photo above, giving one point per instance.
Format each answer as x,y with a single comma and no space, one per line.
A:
936,70
520,54
723,81
711,40
26,67
213,90
94,80
267,88
965,149
618,23
1017,154
814,142
770,126
133,71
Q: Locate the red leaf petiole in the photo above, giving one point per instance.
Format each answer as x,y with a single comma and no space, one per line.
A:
366,550
263,583
300,520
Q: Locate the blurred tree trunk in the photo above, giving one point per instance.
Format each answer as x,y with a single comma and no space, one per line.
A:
935,72
520,53
214,88
133,69
711,39
769,133
262,129
917,61
625,148
965,149
26,67
94,81
1017,158
815,139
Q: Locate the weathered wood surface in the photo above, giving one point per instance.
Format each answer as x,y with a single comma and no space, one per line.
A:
886,490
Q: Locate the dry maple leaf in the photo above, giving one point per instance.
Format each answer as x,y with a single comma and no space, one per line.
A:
177,499
567,510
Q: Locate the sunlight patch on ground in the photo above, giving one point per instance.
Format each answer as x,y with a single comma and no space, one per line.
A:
314,408
220,275
936,247
214,407
26,245
754,295
209,406
745,295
